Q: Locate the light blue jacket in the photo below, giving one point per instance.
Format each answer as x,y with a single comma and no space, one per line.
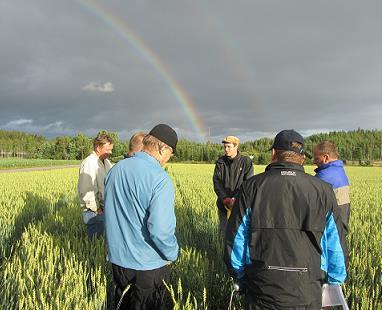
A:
139,214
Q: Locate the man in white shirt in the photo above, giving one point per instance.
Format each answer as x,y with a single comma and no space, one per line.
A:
91,184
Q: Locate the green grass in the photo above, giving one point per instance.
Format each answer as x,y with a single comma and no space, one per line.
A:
14,163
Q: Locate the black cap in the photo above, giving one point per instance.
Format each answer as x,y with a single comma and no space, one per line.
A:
165,134
284,140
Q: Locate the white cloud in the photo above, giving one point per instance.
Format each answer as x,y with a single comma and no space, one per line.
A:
310,132
53,126
18,122
57,128
97,86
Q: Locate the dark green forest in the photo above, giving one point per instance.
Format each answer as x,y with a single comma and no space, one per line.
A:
357,146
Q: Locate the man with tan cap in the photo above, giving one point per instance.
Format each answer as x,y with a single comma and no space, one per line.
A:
231,170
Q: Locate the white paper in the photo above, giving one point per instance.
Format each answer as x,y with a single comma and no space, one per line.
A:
332,295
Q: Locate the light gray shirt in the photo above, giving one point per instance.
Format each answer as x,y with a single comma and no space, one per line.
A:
91,182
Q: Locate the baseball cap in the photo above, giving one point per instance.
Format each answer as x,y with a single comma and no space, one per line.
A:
284,140
231,139
165,134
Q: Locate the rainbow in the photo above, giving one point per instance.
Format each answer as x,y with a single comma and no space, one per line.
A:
124,30
232,53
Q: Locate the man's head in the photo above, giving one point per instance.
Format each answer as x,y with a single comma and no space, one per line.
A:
288,146
135,143
325,152
103,146
231,144
161,143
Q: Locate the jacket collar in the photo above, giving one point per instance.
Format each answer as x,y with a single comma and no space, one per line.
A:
147,157
285,165
99,160
229,160
334,163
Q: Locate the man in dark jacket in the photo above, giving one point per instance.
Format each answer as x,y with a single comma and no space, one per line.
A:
230,172
331,170
282,240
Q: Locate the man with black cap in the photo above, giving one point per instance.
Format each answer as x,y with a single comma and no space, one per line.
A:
283,241
230,172
140,222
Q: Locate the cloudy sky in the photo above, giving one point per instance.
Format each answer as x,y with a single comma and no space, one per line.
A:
207,68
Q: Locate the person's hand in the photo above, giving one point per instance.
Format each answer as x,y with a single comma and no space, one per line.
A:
229,202
239,286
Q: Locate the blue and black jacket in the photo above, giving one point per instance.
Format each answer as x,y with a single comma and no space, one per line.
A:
334,174
283,240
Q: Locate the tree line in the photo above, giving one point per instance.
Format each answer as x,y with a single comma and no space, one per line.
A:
363,146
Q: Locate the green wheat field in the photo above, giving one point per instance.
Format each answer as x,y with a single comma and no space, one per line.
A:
47,261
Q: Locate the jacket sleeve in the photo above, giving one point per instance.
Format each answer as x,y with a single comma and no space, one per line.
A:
218,183
249,171
333,254
87,186
161,221
236,245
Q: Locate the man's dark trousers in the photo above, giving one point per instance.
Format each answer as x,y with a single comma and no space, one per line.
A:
147,289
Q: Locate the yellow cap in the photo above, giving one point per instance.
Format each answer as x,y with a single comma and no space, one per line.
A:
231,139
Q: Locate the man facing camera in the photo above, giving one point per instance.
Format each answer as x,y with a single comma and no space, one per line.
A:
231,170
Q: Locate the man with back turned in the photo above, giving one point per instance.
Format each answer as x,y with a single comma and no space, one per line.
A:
140,222
283,240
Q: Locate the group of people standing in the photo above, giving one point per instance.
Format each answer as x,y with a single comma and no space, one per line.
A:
286,233
284,230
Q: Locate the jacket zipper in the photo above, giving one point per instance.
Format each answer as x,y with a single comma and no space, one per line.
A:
290,269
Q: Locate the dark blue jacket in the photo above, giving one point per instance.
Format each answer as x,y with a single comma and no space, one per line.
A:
333,173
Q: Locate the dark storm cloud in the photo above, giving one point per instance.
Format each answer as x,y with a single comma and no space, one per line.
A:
250,67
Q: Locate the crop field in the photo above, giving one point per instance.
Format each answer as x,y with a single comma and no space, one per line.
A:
11,163
47,261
